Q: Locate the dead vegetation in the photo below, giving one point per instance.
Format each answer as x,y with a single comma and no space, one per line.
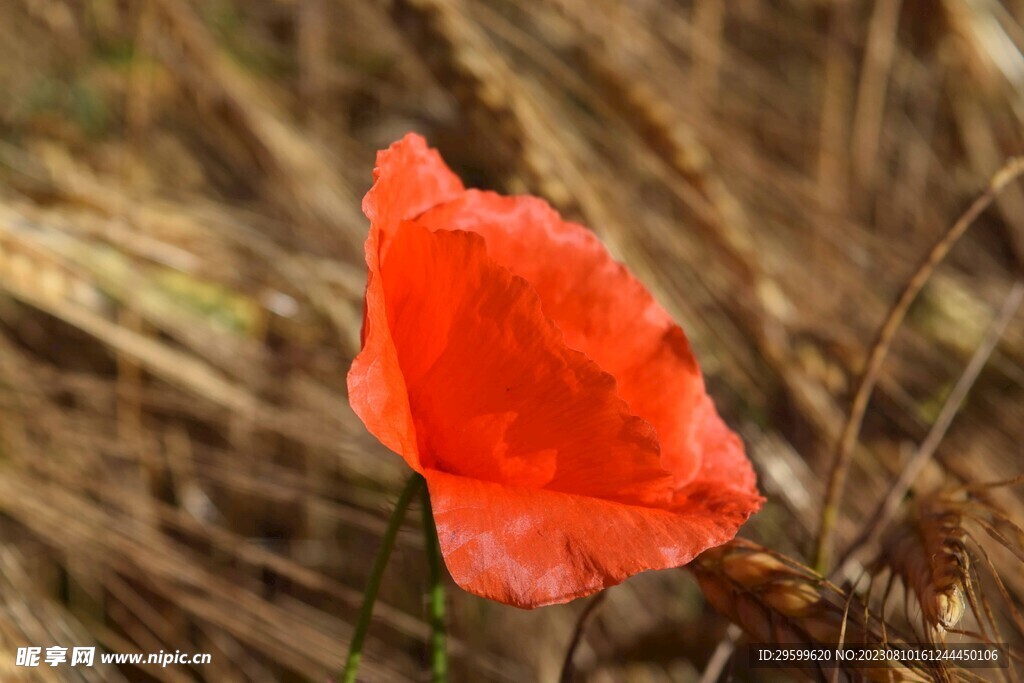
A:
775,600
181,284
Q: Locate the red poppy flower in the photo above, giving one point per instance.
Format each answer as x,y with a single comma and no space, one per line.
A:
555,410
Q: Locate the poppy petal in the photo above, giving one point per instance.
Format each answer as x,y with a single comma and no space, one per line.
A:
409,178
495,393
529,548
600,307
723,460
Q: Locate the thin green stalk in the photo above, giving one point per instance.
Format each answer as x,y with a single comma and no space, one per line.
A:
438,653
355,648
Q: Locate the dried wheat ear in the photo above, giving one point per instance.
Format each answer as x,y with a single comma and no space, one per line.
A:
935,549
777,600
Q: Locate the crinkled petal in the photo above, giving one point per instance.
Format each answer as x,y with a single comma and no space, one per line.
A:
495,393
529,548
600,307
409,179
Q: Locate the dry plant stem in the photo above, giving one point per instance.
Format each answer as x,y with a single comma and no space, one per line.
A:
880,349
720,657
842,629
950,408
871,91
586,616
438,649
355,648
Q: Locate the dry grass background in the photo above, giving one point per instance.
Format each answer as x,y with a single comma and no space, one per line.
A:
181,283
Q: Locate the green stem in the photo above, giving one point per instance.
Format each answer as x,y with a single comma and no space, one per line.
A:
355,648
438,653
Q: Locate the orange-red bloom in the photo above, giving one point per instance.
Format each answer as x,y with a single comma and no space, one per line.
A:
555,410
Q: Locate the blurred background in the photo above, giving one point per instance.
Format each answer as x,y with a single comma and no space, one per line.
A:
181,283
